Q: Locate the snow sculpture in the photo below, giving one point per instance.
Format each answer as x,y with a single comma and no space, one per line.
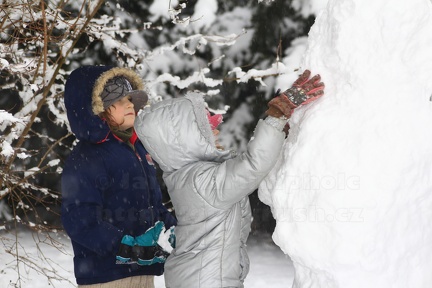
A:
352,192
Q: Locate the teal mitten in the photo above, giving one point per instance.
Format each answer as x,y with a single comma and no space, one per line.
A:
124,253
172,238
149,252
150,237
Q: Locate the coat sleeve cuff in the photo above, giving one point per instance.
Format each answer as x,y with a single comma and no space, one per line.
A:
278,123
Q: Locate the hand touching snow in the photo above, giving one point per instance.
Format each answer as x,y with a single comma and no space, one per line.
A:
305,90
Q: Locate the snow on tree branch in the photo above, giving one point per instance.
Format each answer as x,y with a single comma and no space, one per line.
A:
277,69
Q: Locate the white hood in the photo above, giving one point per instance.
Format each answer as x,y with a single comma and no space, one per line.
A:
176,133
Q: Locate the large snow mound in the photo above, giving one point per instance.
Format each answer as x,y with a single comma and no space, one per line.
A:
352,192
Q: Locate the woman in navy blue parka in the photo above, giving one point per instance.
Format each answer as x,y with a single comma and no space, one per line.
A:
111,201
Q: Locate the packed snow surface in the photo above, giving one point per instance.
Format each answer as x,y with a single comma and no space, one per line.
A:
46,260
352,192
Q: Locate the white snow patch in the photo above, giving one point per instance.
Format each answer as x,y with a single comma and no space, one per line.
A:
352,191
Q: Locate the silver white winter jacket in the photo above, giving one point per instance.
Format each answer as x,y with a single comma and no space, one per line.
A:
208,188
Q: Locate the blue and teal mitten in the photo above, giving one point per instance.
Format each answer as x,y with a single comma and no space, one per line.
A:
125,252
172,238
149,252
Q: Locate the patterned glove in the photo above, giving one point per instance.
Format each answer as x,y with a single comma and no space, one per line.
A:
305,90
279,107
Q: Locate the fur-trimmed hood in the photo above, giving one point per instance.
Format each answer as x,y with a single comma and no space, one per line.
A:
83,101
134,79
176,132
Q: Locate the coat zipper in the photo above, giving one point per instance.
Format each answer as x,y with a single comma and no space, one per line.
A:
149,198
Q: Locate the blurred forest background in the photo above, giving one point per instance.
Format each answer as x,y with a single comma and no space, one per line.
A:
233,51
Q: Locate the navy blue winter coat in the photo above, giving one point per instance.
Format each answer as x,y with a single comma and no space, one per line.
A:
108,189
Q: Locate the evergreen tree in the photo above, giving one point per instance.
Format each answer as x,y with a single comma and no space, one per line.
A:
175,49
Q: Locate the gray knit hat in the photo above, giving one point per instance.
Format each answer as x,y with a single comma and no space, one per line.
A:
119,87
115,84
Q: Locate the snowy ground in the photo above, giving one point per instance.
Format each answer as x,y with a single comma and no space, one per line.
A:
41,256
